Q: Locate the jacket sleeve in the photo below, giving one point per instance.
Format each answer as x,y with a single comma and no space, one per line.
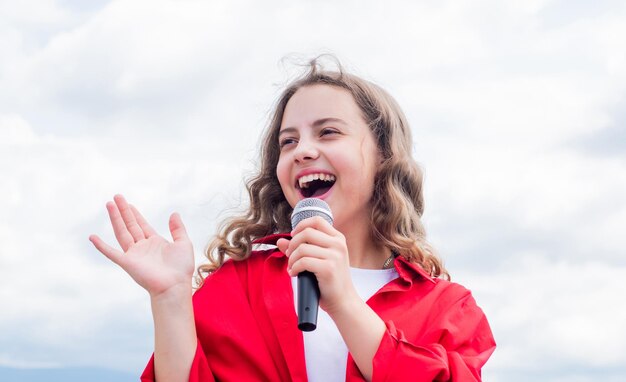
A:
200,371
454,348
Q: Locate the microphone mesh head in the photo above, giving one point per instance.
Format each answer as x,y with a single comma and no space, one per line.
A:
308,208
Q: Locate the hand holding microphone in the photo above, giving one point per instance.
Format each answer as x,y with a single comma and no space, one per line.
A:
317,253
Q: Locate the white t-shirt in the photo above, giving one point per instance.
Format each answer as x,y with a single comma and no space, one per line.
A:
325,352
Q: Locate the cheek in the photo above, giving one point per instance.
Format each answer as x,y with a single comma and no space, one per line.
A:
284,177
366,167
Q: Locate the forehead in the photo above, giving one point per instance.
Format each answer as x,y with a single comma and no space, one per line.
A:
314,102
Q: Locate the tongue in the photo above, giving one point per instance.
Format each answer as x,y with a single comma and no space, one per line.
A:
320,191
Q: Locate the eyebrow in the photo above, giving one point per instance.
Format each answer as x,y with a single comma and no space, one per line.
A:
317,123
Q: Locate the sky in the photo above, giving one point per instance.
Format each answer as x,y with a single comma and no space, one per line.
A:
518,113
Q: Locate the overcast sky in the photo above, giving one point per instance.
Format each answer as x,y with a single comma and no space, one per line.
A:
518,111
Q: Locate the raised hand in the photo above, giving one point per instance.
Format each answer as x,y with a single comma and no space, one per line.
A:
153,262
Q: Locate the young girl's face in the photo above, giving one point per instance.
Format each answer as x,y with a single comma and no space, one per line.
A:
327,151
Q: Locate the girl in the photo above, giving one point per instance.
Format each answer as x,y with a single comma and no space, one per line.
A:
388,311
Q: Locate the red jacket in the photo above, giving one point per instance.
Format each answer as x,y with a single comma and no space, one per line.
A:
247,326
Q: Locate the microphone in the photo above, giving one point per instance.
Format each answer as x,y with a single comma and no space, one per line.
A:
308,290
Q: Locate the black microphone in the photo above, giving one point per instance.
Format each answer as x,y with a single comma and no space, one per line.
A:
308,290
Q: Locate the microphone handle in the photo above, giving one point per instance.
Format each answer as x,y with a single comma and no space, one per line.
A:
308,301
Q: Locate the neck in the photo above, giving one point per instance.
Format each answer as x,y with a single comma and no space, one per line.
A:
363,250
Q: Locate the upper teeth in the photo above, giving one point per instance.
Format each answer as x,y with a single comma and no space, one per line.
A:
305,180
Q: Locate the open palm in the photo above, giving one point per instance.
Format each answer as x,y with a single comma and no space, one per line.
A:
152,261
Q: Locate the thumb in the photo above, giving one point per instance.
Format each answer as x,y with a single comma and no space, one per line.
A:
282,245
177,228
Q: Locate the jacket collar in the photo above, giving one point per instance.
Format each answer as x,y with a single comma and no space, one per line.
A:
408,270
271,239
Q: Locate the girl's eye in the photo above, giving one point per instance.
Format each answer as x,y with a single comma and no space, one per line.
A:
328,131
286,141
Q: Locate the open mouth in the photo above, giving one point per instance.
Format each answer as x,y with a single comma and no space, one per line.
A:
315,185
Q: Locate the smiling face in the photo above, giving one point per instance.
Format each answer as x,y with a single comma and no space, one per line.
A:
327,151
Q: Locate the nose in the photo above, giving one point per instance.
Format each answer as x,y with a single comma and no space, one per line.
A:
305,151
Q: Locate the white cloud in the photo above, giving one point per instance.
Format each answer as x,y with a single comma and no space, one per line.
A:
561,198
553,314
15,130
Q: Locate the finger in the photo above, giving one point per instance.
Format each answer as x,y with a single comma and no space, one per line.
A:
283,245
316,222
308,251
119,227
129,218
311,235
146,228
111,253
177,228
310,264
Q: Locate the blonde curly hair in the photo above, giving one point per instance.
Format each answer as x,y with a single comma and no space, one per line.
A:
397,201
